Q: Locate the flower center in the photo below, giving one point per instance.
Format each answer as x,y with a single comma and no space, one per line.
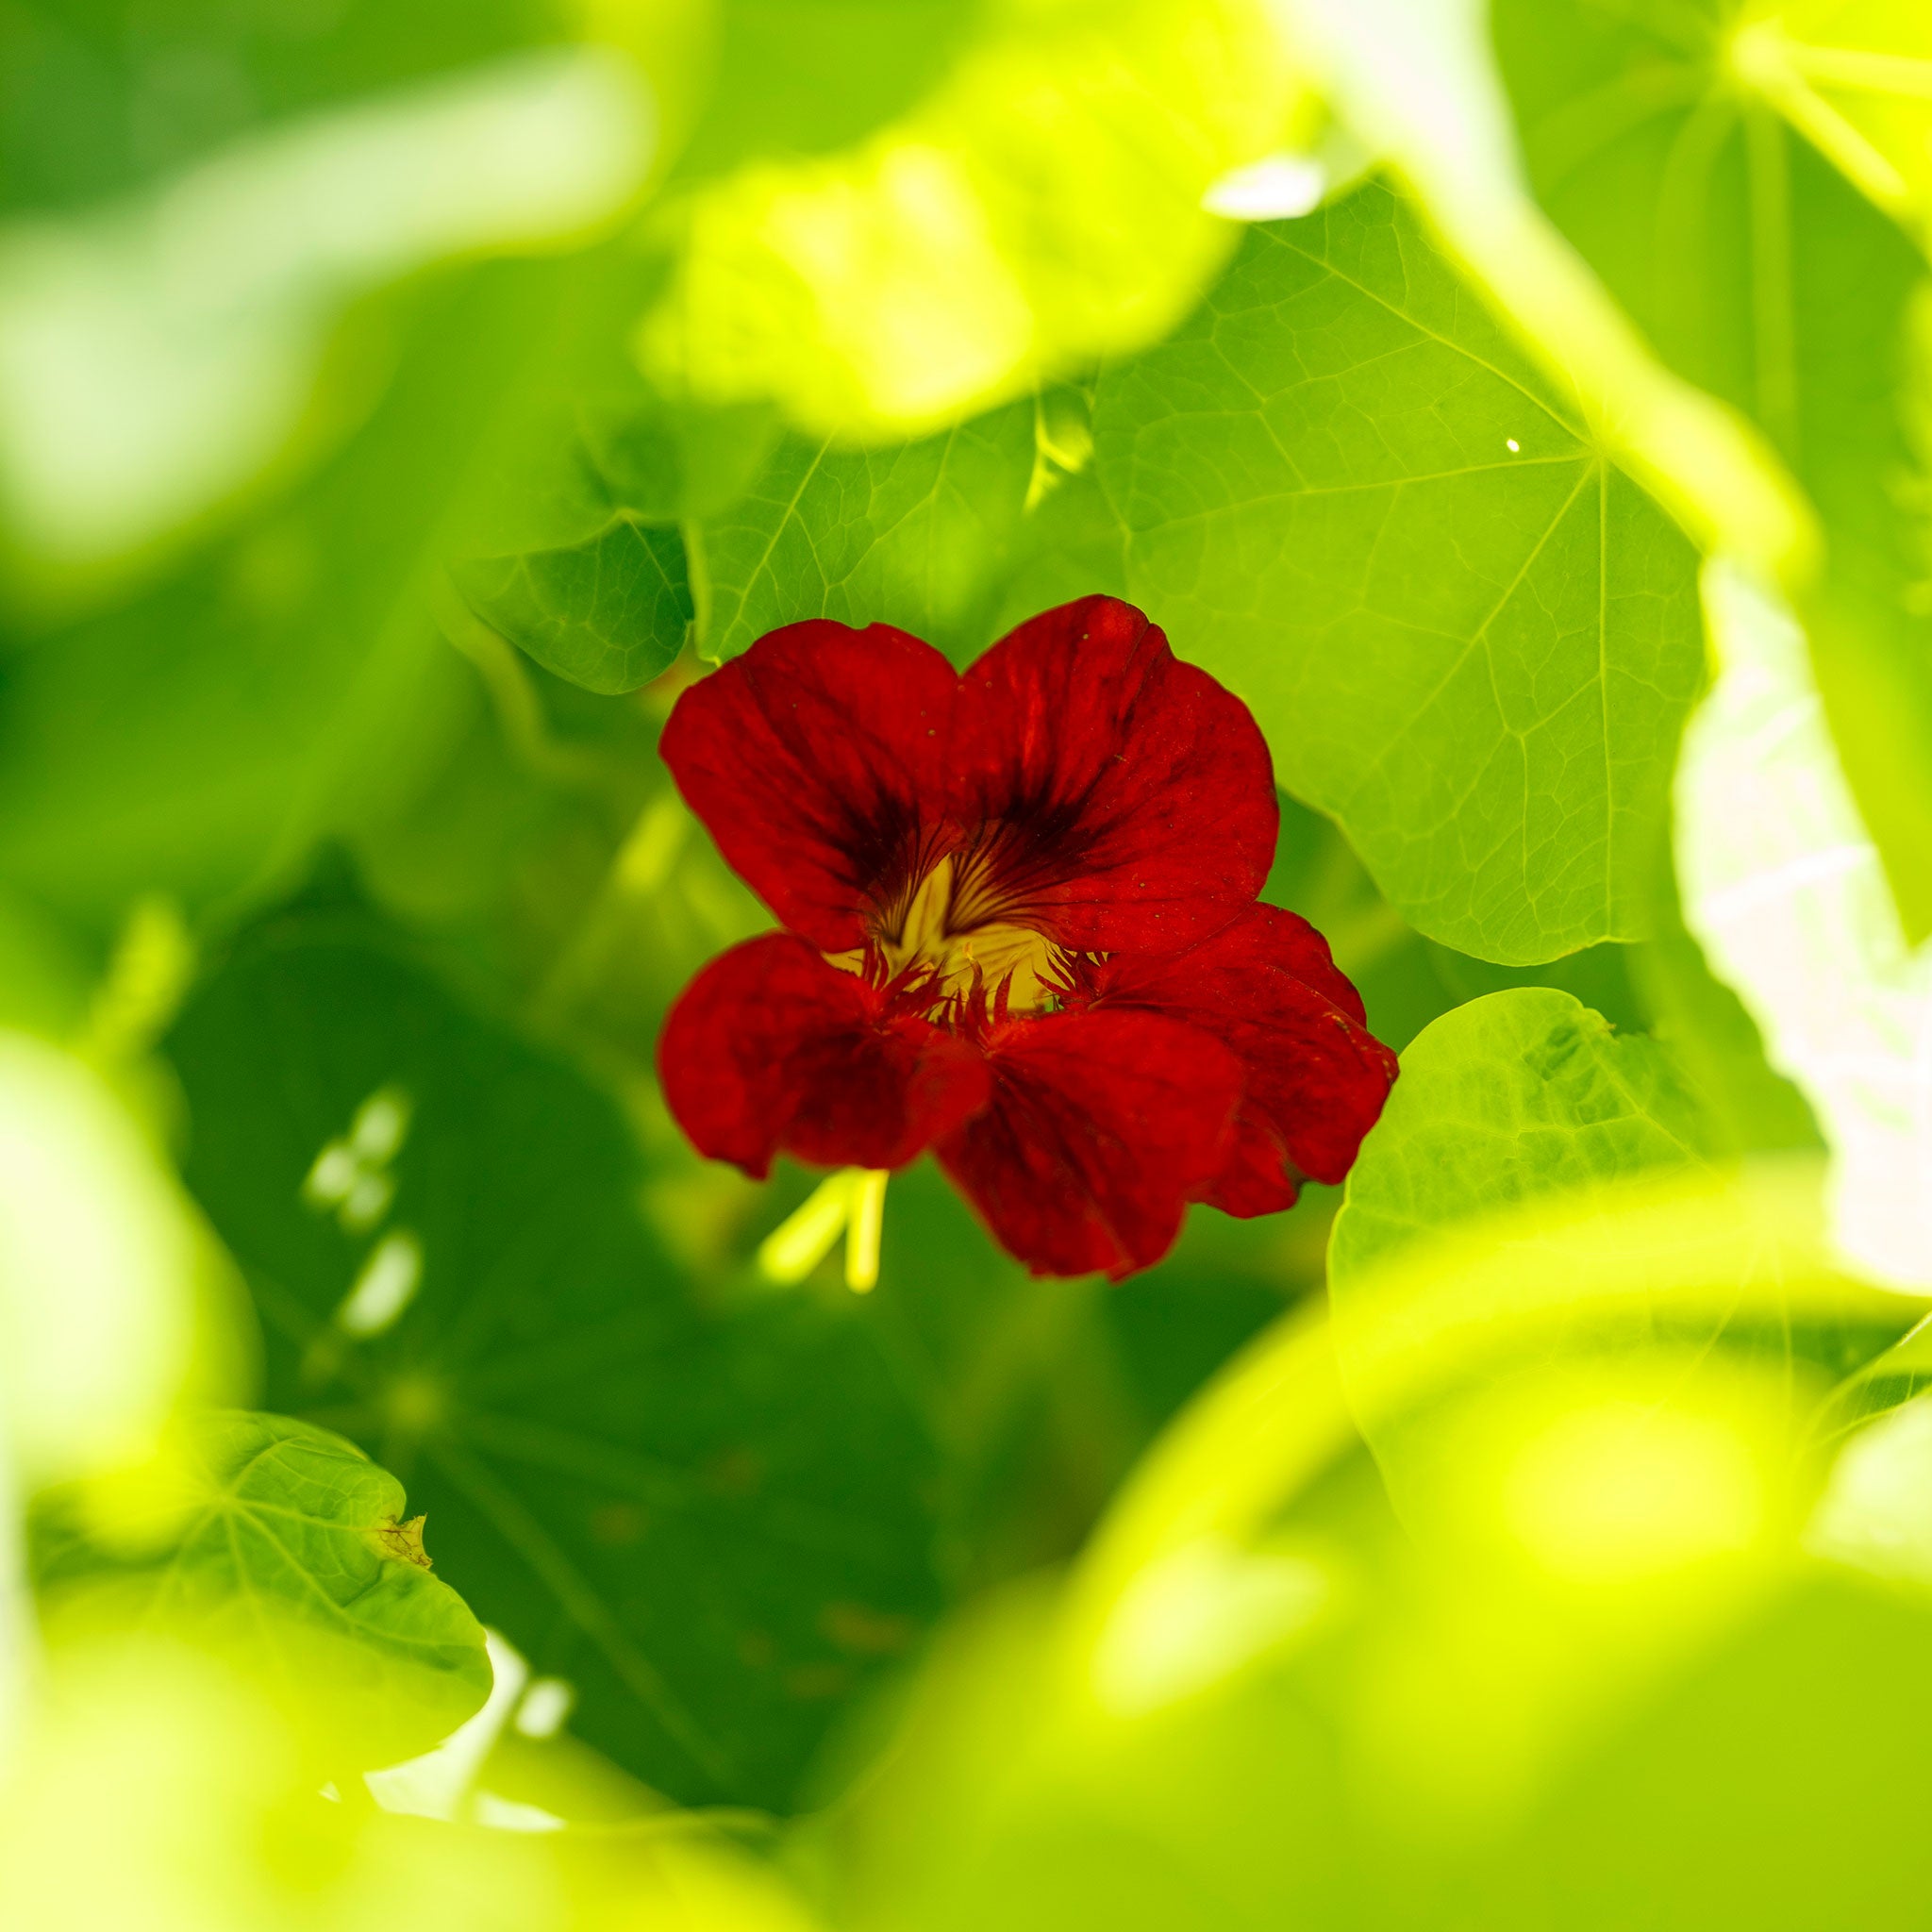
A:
937,931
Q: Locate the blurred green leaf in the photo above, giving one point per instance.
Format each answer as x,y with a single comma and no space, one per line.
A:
1763,274
805,76
219,1824
103,1272
1784,887
715,1525
288,1554
1468,635
1039,207
1855,77
102,93
289,680
158,355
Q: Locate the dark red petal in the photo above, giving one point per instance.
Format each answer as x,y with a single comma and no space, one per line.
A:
1317,1079
1101,1128
769,1048
1257,1177
817,760
1130,798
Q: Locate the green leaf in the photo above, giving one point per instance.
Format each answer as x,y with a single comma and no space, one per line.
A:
922,535
292,1557
713,1522
1762,273
1467,634
608,614
1523,1095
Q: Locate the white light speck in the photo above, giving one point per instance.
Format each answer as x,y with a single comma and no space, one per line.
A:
546,1705
1275,188
1512,442
385,1288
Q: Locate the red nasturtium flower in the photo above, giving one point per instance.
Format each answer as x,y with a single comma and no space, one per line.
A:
1021,930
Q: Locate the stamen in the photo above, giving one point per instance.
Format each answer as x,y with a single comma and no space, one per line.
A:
946,948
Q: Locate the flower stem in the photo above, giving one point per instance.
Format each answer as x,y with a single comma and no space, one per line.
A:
800,1242
851,1202
868,1219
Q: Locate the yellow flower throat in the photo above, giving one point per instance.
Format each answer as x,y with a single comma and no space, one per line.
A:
943,928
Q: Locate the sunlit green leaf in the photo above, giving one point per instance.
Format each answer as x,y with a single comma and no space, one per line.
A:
1257,1686
1522,1094
99,1262
1763,274
1467,634
1855,77
714,1525
1784,886
292,1555
219,1823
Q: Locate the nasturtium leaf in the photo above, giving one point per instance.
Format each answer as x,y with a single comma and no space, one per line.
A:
1540,1222
564,539
714,1524
1467,634
99,1260
1041,206
1763,274
921,535
608,614
1522,1094
292,1555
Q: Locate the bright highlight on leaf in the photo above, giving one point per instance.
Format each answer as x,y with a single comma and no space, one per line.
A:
1041,206
1623,1488
1786,891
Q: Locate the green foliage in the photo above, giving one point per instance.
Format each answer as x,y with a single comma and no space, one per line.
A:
1505,1099
1653,147
1466,633
608,614
712,1522
924,536
291,1555
198,736
967,250
398,409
